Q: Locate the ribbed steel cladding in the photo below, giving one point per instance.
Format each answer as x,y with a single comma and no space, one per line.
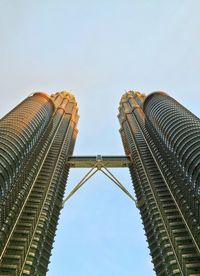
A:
148,209
27,248
152,218
179,237
20,131
179,133
12,203
177,184
190,224
53,197
46,212
29,119
179,129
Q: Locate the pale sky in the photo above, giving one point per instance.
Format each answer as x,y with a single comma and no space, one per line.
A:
98,49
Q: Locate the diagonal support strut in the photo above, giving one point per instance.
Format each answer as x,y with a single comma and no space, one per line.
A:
119,184
80,184
99,165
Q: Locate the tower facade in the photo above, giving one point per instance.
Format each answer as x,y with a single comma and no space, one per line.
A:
162,139
36,139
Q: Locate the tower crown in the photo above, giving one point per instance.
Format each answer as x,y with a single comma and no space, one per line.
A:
64,94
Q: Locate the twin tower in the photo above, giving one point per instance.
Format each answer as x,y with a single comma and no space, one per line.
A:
161,140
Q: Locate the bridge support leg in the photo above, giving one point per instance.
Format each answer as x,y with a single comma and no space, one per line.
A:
98,167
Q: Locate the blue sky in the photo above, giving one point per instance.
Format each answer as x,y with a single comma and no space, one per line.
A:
98,49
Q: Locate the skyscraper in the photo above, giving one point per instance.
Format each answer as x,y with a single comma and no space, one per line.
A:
162,139
36,139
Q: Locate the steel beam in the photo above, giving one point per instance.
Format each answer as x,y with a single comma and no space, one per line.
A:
98,161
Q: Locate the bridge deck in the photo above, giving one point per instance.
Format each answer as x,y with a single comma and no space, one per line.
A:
94,161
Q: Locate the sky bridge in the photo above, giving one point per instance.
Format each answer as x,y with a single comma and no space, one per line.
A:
89,161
